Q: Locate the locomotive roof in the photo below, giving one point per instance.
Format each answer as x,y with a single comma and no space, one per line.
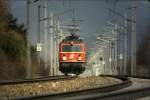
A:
80,40
68,42
73,38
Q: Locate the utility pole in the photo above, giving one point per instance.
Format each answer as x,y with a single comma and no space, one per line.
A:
28,67
110,56
51,44
45,35
113,53
38,36
116,50
58,37
54,46
57,45
125,44
133,45
121,50
59,40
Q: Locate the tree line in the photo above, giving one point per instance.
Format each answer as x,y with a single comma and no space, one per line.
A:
13,46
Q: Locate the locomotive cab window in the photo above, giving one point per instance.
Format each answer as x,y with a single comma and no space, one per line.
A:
71,48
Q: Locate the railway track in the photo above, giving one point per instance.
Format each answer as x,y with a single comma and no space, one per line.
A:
128,93
120,91
81,94
34,80
133,92
133,76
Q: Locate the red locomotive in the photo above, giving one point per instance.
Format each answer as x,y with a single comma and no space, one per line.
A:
72,55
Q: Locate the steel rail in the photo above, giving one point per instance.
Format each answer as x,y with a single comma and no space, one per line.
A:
133,76
123,95
126,82
34,80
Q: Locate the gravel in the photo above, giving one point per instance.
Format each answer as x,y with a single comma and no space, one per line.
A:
50,87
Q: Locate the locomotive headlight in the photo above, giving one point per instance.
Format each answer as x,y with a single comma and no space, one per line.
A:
79,58
64,57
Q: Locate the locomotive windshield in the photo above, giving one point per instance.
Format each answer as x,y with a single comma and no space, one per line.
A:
73,48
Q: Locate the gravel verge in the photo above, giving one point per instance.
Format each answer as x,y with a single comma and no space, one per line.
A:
50,87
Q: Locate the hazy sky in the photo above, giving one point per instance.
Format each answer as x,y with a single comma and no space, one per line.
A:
94,14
